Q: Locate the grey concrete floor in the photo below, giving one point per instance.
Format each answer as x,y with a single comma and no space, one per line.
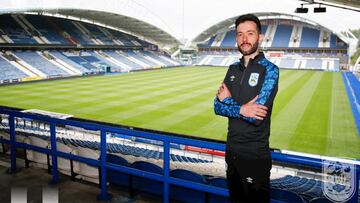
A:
36,180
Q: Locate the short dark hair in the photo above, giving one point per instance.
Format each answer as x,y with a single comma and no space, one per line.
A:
249,17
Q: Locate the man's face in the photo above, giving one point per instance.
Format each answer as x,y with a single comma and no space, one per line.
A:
247,37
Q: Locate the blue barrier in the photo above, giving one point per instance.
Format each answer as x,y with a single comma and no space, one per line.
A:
166,139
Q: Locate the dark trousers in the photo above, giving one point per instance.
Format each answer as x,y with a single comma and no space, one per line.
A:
248,178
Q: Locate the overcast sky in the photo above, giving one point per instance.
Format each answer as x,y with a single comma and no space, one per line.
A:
188,18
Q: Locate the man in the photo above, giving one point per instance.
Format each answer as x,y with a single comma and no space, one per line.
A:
246,98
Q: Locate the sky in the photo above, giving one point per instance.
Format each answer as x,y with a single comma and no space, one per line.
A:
188,18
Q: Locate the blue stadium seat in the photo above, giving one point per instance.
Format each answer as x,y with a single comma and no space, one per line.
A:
184,194
157,57
229,39
72,30
141,58
211,40
123,59
309,38
263,29
282,36
42,64
145,184
218,182
67,60
320,200
8,71
14,31
96,33
286,196
287,63
43,26
116,177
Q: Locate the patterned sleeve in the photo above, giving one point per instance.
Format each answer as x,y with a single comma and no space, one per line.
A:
229,108
270,83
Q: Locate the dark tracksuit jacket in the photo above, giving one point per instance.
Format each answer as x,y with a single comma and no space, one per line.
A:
248,137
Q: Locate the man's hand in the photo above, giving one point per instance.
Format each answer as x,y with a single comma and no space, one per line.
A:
253,110
223,92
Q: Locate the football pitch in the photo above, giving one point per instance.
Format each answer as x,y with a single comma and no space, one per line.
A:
311,113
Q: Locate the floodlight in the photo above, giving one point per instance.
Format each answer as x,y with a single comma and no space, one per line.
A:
301,9
319,9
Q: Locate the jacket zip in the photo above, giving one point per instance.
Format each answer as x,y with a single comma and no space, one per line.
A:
242,77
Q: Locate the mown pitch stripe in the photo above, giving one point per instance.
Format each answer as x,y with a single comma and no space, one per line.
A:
286,80
286,120
175,94
292,88
315,119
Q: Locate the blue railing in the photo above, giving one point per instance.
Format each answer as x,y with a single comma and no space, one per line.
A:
102,164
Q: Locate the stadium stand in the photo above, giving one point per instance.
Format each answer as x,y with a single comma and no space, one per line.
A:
229,39
68,55
38,61
41,28
282,36
9,72
13,32
72,29
62,56
309,38
302,46
121,57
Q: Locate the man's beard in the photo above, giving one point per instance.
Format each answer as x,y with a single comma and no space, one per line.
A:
251,51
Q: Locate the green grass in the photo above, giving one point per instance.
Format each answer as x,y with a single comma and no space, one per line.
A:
311,112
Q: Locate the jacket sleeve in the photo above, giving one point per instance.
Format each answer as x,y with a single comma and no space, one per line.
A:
229,108
269,88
